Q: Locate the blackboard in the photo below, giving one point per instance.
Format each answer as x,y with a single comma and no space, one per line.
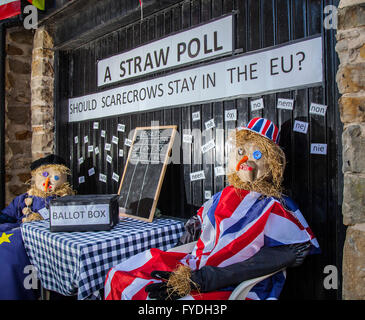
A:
144,171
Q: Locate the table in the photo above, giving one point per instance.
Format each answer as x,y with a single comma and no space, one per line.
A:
73,263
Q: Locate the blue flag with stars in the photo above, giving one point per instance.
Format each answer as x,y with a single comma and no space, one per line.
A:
13,256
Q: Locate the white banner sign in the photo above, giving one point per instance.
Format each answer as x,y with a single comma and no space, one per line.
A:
202,42
285,67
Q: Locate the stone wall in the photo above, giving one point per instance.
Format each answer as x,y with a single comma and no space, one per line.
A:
18,131
29,118
351,83
42,79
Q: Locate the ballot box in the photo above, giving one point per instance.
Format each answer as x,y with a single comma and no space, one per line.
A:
92,212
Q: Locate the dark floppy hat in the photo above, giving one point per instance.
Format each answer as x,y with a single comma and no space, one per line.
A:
50,159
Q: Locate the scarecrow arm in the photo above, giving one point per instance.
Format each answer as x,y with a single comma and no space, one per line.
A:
266,261
4,218
13,211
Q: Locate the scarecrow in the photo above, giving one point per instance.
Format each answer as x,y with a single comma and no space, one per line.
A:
49,180
247,230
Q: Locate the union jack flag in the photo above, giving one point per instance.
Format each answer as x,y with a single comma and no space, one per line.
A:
9,8
235,225
141,5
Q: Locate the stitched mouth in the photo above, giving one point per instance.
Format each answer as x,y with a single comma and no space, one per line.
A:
245,167
241,162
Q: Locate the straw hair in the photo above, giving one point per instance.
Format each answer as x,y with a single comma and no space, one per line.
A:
180,282
270,184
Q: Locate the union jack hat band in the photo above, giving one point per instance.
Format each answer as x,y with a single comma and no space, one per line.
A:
263,127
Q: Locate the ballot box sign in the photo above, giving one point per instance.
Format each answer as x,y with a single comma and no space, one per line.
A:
84,213
144,171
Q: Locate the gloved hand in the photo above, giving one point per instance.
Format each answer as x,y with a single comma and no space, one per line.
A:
161,290
301,251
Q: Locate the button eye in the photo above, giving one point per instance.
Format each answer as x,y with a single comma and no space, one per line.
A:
45,174
240,151
56,178
257,155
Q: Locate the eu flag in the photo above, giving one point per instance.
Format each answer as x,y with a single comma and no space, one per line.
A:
13,260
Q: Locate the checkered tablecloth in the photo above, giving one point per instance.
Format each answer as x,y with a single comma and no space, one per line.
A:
73,263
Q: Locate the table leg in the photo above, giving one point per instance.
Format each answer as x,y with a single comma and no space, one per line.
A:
45,294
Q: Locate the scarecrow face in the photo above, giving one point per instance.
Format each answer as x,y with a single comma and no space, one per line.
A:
49,178
246,160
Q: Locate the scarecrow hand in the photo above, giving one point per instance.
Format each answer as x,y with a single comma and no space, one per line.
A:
34,216
162,275
174,285
159,291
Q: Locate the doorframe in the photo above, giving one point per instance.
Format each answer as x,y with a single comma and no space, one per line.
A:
2,114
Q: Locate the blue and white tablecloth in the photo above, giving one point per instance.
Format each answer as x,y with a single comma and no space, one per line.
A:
73,263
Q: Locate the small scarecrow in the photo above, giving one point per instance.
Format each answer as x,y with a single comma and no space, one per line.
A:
49,180
247,230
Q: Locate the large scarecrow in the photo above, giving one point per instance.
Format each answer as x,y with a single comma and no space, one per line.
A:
247,230
49,180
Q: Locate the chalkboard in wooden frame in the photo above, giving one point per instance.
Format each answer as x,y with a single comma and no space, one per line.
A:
144,171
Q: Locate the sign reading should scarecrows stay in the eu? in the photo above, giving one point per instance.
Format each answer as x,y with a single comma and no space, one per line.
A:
295,65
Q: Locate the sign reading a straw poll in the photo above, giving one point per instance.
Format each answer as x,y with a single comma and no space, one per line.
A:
295,65
201,42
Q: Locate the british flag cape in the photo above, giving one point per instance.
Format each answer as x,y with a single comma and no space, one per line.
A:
235,225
